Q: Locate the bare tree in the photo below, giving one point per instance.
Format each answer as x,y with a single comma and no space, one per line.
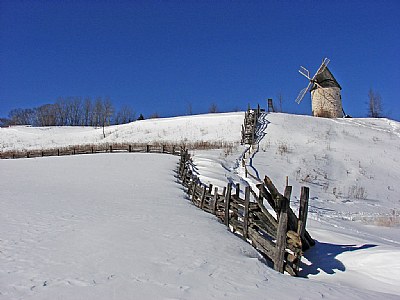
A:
108,111
213,108
374,105
61,108
98,112
87,111
46,115
154,116
190,108
280,102
125,115
75,109
21,116
5,122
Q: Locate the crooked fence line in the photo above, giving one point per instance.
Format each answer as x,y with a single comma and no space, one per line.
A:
281,239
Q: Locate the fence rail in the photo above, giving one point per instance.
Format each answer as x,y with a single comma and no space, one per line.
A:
281,238
92,149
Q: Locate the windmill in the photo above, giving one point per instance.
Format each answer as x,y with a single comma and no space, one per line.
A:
326,100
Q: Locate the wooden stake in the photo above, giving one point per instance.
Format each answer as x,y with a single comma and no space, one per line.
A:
246,212
215,200
303,210
203,197
281,237
227,200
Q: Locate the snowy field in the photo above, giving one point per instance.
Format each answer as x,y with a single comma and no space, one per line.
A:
118,226
179,130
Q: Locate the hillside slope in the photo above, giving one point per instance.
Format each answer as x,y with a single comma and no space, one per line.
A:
213,128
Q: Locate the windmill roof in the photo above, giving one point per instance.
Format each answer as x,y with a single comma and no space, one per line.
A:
326,79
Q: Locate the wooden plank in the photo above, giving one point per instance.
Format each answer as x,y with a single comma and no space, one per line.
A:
266,213
215,200
194,185
287,193
307,240
303,211
263,225
281,237
184,177
203,197
263,193
263,245
246,212
227,200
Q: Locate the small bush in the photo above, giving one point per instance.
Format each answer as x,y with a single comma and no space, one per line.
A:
283,148
357,192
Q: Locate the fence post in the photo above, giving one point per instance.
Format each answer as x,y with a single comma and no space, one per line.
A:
303,210
227,200
184,177
281,237
194,186
147,148
215,200
246,212
203,197
111,148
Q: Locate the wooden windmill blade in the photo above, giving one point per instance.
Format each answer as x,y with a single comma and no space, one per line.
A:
322,67
303,71
303,92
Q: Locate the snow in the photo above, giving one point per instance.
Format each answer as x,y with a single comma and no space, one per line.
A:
119,226
179,130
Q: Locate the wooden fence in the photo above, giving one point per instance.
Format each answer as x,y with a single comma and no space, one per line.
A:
92,149
281,238
249,125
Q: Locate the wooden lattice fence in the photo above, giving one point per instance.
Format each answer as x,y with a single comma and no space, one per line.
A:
281,238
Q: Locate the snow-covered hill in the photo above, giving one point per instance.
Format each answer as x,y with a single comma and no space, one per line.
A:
351,166
180,130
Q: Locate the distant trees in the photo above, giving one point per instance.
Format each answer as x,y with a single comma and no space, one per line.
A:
125,115
154,116
20,116
72,111
213,108
374,105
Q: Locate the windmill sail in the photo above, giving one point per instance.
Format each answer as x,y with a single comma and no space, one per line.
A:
303,92
313,82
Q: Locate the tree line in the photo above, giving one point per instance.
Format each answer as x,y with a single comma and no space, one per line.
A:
72,111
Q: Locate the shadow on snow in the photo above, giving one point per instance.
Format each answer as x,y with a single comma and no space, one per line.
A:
322,257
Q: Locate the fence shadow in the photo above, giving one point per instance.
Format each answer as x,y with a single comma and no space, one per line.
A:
262,124
322,257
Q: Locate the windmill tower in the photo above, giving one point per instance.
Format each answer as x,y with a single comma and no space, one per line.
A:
326,100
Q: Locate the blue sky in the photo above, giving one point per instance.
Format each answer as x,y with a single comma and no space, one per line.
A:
161,56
